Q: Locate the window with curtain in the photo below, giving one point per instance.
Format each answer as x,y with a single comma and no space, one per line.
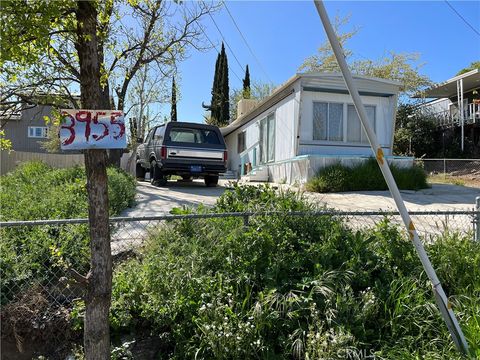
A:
327,121
355,132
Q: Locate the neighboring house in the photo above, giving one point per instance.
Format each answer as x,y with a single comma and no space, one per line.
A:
27,130
310,122
456,105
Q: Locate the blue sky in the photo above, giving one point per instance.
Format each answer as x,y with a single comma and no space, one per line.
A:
283,33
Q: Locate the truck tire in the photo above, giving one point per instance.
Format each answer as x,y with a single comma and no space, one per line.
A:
140,172
156,174
211,180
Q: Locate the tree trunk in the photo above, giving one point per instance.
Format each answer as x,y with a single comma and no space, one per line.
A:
99,286
99,279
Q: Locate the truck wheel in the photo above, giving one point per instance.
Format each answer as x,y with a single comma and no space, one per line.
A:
211,180
155,173
186,178
140,172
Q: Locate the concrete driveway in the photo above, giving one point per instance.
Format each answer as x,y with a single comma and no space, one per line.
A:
439,197
153,200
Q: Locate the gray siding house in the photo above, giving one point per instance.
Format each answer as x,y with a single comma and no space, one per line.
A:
27,131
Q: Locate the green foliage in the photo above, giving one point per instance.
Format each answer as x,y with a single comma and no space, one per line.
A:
246,92
258,91
474,65
414,133
24,39
36,191
365,175
402,67
288,287
5,144
220,106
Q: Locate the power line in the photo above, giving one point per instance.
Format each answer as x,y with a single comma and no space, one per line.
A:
461,17
246,42
214,46
225,41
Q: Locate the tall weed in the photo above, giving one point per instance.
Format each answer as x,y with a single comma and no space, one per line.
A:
288,287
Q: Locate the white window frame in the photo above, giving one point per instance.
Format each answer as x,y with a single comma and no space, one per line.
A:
265,156
327,130
344,140
362,132
32,132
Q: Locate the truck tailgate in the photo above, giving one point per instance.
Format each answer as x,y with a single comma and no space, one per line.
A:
194,153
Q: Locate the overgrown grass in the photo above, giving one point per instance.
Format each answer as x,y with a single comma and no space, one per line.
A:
446,179
37,191
365,176
289,287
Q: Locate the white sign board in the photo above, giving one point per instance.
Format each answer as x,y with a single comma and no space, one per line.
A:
92,129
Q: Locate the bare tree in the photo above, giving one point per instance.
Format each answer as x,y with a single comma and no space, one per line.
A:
148,92
131,36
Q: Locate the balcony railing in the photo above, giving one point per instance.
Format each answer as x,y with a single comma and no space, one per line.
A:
452,118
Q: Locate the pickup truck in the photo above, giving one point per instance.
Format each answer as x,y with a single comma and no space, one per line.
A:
189,150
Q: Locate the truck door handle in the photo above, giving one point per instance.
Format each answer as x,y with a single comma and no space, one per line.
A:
173,153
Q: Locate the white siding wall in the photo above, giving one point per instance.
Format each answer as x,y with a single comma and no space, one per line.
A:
384,113
285,130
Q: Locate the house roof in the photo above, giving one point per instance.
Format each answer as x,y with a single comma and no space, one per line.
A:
447,89
287,89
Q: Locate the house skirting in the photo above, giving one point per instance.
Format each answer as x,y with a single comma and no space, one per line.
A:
301,168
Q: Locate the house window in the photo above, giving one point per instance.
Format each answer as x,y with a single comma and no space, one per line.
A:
355,132
267,139
327,121
37,131
241,145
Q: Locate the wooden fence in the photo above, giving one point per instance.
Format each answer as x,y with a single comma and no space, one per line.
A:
9,161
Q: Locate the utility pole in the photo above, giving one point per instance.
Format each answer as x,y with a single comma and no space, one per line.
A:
442,301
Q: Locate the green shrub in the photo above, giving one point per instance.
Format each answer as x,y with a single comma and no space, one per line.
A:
364,176
39,253
291,287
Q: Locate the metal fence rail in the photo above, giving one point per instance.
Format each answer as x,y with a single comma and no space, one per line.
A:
36,303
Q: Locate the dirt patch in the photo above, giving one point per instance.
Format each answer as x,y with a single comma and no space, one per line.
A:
32,325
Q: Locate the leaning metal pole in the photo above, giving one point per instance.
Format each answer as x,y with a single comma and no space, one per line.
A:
442,301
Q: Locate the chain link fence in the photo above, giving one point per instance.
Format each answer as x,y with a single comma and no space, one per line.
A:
468,168
40,299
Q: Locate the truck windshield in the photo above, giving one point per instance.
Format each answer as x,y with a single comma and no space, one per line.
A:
194,136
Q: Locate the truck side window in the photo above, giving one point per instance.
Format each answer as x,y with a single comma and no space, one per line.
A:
149,136
159,133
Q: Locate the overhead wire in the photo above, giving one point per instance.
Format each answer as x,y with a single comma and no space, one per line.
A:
246,42
461,17
225,41
213,45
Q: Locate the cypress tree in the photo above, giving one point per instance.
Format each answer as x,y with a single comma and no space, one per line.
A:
214,108
173,111
220,104
224,90
246,85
